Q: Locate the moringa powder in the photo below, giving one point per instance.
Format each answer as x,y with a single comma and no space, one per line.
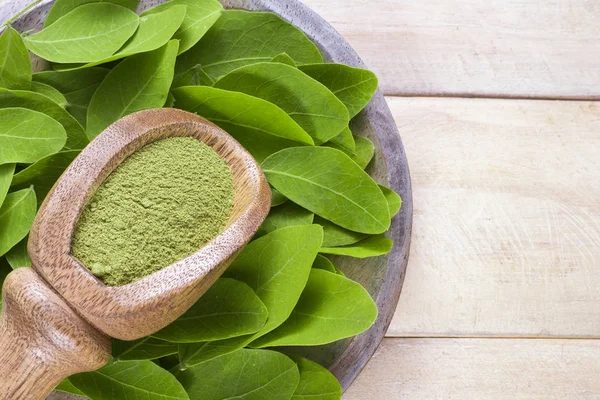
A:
159,206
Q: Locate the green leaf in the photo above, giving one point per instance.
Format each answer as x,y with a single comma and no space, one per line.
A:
353,86
27,135
228,309
49,92
16,216
344,141
277,198
372,246
44,173
76,138
139,82
393,199
316,382
67,82
261,127
91,32
284,58
363,153
308,102
129,380
191,354
240,38
67,387
276,267
365,150
147,348
15,65
168,362
193,77
78,87
18,257
200,16
331,308
324,263
154,31
289,214
4,271
6,176
63,7
327,182
334,235
170,103
245,374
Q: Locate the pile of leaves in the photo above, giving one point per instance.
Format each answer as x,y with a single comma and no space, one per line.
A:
263,81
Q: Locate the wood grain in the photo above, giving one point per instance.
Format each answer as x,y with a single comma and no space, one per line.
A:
143,307
506,237
465,369
496,48
42,340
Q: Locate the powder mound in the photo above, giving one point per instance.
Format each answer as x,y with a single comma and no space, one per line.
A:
162,204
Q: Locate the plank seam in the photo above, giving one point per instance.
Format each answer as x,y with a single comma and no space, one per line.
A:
490,97
591,338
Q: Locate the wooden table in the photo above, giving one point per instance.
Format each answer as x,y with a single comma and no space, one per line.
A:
502,293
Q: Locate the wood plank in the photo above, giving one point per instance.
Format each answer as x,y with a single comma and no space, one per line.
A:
496,48
431,369
506,234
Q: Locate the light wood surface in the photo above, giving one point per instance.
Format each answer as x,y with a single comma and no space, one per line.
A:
506,234
506,245
506,193
499,48
481,369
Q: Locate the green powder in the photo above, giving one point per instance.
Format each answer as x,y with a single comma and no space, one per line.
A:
159,206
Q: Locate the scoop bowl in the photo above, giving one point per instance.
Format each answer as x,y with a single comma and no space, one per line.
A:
143,307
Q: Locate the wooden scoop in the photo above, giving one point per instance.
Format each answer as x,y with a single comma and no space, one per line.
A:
57,317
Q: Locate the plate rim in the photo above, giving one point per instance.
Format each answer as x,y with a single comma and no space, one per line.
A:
336,49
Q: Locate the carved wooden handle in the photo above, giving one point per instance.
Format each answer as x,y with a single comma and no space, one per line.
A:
42,340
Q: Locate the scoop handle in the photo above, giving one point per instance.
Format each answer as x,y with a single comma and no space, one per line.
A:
42,340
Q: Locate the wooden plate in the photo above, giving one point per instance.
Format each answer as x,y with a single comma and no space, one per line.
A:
382,276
